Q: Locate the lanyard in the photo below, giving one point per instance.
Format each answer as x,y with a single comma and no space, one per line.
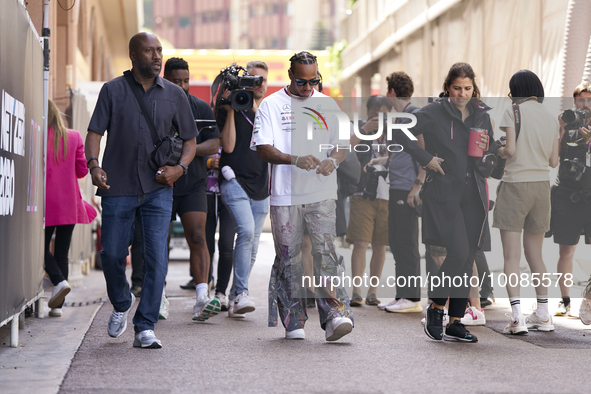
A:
247,118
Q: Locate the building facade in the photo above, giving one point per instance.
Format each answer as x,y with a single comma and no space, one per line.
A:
497,37
248,24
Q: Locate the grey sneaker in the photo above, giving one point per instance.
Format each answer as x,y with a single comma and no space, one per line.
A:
118,320
147,340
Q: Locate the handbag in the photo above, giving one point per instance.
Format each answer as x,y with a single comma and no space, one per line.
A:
499,170
167,150
349,170
348,174
486,164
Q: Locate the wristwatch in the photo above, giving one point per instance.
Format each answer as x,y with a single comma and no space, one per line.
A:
335,162
89,160
185,168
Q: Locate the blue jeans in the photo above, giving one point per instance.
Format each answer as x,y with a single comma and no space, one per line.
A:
152,212
249,216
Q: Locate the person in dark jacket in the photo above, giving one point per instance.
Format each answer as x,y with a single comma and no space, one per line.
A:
455,194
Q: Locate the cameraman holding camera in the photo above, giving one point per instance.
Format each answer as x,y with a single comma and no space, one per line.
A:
369,205
244,185
571,198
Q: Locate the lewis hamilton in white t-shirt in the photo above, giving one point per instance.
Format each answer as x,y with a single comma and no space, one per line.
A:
296,131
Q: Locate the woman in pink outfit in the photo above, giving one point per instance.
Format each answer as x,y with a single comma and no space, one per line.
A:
64,206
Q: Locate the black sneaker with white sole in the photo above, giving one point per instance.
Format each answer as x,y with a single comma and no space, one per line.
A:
434,323
456,332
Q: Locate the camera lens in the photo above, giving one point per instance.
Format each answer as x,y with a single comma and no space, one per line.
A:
568,116
242,98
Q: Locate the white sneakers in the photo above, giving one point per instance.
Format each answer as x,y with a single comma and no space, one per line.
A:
243,304
384,305
522,325
585,311
538,322
337,328
295,334
223,301
231,313
205,308
240,305
59,294
404,306
516,326
55,312
474,317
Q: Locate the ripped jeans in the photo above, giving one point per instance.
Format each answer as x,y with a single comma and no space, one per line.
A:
287,292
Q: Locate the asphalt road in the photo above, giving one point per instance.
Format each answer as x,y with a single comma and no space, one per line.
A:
385,352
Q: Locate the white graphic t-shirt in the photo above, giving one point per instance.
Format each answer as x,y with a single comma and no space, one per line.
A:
298,127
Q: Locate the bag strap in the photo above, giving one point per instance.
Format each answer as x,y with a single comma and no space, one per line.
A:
416,166
517,117
214,90
140,100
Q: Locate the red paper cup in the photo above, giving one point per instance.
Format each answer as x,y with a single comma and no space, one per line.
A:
475,136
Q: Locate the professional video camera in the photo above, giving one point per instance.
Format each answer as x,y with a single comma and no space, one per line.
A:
572,169
229,78
375,171
574,118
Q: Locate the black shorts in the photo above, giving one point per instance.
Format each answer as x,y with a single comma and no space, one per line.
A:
569,219
194,202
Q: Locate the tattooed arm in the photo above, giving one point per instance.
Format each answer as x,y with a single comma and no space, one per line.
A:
189,149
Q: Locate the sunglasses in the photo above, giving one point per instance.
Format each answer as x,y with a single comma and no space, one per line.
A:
312,82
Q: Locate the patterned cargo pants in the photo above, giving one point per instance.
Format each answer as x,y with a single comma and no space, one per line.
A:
286,292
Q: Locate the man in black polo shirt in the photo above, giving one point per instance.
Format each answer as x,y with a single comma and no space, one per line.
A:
130,188
244,188
190,199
